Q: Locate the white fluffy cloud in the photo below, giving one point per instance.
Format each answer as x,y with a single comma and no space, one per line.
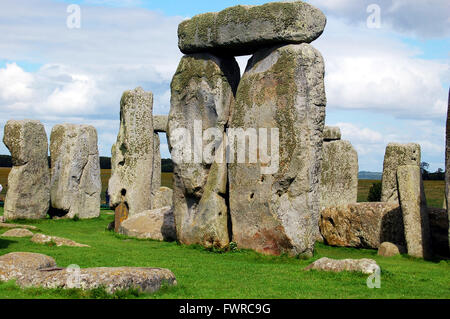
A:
423,18
83,72
15,84
370,70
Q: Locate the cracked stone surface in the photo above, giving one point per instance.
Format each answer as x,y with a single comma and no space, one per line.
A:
28,195
75,172
132,154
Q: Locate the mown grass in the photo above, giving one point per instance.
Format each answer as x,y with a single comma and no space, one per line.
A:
237,274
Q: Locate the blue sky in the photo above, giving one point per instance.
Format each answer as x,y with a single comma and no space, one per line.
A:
388,84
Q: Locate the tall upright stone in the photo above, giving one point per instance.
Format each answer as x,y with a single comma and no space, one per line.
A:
75,173
339,177
414,211
447,165
203,90
395,156
28,195
132,154
278,212
156,173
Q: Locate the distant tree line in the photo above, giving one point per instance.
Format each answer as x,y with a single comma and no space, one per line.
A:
105,163
439,175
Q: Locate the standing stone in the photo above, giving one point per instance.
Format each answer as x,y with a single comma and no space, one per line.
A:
414,210
447,165
28,195
275,213
132,154
339,178
243,30
75,173
395,156
156,173
202,94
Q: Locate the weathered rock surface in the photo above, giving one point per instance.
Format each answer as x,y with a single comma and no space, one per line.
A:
163,198
395,156
5,225
59,241
277,211
160,123
18,264
414,210
331,133
17,232
387,249
147,280
364,225
36,270
366,266
242,30
156,171
359,225
339,177
439,230
28,195
447,164
156,224
202,92
132,154
75,173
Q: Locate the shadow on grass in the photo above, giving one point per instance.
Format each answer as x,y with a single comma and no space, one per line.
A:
4,243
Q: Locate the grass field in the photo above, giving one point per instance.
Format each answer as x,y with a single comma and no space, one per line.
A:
238,274
166,180
434,190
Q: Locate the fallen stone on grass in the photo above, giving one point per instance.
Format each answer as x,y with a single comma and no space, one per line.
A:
37,270
16,265
388,249
111,279
59,241
156,224
2,219
362,225
366,266
17,232
5,225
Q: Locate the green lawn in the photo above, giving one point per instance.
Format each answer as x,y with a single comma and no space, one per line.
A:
434,191
241,274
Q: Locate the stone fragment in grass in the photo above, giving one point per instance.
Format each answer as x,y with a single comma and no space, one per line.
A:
41,271
58,241
366,266
156,224
17,232
388,249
